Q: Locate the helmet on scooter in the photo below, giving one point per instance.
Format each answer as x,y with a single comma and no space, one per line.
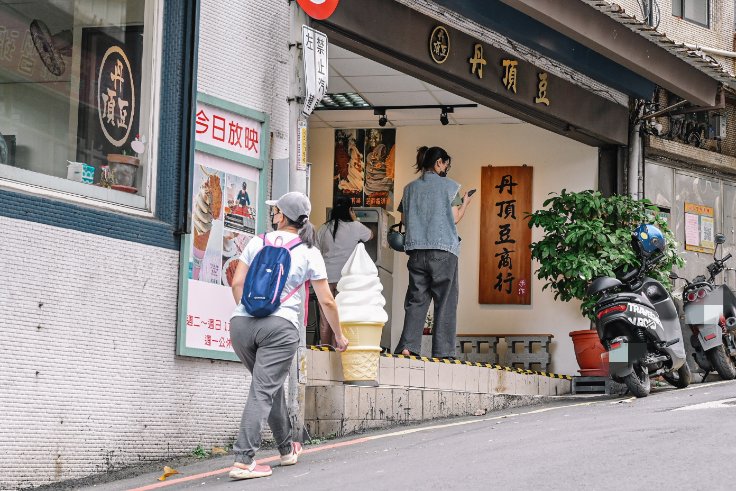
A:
649,239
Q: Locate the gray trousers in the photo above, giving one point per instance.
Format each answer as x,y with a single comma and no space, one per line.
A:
432,276
266,346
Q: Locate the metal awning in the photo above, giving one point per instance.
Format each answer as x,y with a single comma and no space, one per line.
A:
606,29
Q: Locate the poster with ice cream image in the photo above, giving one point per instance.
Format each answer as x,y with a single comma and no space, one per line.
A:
364,166
216,246
207,225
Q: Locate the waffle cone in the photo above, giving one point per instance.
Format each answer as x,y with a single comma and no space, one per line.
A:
360,360
201,240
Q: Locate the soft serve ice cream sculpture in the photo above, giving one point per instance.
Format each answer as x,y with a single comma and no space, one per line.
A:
207,207
362,316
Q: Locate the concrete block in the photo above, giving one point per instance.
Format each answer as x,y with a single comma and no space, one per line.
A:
459,377
335,367
327,428
483,375
352,401
367,403
472,379
444,376
330,402
310,403
384,404
309,364
473,403
430,404
401,372
493,380
415,405
486,402
320,365
459,404
432,375
562,387
416,375
445,403
526,384
545,385
400,408
386,371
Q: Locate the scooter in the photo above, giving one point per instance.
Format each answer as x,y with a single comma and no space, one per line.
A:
710,312
638,324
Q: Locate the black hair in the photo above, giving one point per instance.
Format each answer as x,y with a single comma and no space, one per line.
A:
340,213
427,157
304,228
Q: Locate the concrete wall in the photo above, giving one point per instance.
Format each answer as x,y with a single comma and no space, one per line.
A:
558,163
89,379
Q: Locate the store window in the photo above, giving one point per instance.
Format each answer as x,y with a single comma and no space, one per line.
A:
76,98
697,11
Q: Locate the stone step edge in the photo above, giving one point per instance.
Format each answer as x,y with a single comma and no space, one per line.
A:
458,362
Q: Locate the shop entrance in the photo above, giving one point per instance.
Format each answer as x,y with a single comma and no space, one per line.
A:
345,129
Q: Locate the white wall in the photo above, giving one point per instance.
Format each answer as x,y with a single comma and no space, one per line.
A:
558,163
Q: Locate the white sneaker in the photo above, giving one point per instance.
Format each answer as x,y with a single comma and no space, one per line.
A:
292,457
254,470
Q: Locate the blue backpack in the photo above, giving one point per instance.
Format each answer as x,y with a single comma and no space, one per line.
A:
267,276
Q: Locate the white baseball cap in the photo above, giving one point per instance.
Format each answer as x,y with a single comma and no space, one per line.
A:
293,205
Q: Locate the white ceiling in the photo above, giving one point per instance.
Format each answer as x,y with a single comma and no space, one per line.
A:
380,85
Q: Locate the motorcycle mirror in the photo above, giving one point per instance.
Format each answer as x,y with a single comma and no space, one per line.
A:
720,239
673,276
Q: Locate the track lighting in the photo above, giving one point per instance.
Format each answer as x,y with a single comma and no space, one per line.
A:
443,117
382,120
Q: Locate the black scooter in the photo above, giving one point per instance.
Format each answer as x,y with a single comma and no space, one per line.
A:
710,312
638,324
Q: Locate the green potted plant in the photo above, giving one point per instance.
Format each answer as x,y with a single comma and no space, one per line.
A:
587,235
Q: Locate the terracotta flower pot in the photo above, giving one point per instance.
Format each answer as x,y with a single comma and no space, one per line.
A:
588,351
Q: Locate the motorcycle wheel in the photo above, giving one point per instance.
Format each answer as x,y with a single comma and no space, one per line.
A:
679,378
638,382
722,363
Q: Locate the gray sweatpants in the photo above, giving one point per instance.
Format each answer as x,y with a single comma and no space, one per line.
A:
266,346
432,276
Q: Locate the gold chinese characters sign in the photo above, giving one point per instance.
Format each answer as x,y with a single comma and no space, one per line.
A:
505,257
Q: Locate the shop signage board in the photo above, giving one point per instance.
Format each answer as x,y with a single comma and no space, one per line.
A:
229,174
314,51
472,68
365,161
699,228
505,237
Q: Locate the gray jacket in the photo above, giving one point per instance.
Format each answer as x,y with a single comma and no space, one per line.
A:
427,208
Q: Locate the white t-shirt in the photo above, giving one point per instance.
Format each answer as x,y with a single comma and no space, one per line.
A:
337,251
306,264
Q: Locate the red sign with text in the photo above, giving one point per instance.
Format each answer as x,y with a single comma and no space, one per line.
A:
318,9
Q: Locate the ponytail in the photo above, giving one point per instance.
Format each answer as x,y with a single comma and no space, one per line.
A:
427,157
305,228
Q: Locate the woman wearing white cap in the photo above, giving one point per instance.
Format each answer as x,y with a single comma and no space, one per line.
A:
266,345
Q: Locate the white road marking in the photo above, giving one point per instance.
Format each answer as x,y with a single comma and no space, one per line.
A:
723,403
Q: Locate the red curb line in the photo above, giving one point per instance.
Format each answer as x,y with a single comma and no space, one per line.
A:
261,461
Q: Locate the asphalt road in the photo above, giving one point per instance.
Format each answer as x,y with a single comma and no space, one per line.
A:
673,439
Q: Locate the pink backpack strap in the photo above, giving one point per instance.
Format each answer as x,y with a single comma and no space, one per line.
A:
306,285
293,243
265,240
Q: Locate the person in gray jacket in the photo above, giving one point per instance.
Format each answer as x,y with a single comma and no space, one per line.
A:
430,208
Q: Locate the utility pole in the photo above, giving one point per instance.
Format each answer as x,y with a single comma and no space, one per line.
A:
297,182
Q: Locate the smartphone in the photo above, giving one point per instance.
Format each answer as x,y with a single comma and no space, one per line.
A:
471,192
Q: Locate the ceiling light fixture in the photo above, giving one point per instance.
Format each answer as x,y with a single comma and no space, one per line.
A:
382,120
443,116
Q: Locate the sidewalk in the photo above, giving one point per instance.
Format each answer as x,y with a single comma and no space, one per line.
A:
213,471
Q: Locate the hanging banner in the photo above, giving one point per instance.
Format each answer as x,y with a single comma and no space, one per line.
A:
699,228
227,209
365,166
505,237
314,52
